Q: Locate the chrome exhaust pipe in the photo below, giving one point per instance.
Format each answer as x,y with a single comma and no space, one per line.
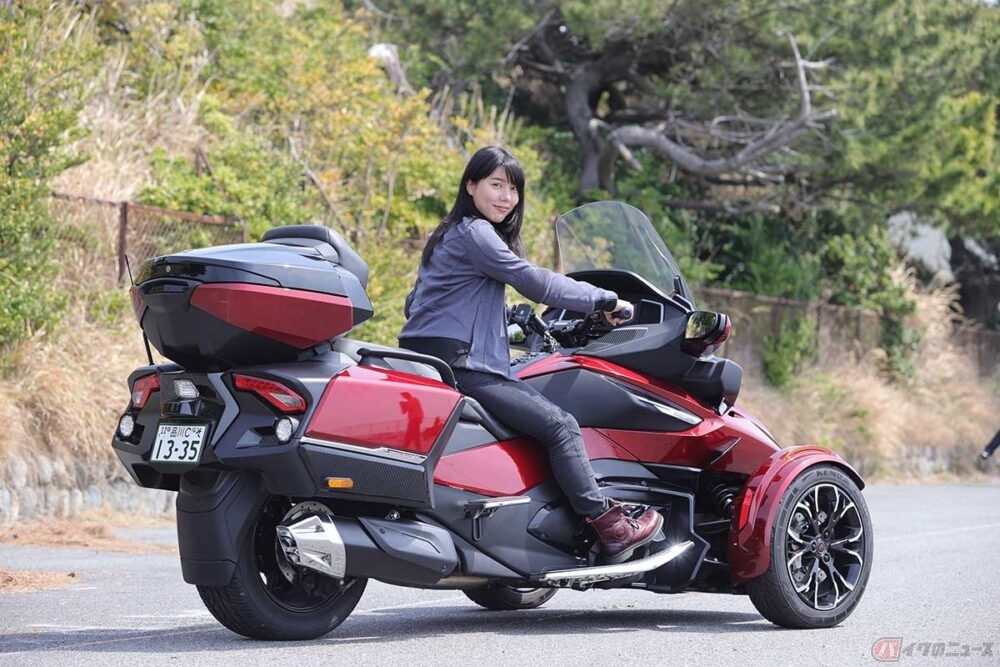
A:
593,575
315,543
401,551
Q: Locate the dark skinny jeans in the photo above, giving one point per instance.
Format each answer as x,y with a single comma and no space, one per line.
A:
523,408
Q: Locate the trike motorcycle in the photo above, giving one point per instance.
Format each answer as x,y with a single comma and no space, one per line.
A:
307,461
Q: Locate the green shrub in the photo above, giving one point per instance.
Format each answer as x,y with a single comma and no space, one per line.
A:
786,352
858,274
43,59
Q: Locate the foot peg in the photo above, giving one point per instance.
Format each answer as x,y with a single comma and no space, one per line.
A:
485,508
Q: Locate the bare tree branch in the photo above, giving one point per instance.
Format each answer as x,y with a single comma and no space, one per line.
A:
388,57
512,54
370,6
311,175
773,136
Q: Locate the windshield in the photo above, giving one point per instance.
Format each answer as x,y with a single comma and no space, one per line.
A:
616,236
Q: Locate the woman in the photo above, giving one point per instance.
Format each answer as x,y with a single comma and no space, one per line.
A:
457,312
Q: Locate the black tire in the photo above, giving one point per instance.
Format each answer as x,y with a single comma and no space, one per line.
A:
821,552
268,599
499,597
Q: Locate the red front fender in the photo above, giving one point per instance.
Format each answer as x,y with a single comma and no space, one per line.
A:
750,533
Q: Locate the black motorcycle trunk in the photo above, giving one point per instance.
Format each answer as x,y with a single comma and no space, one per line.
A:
246,304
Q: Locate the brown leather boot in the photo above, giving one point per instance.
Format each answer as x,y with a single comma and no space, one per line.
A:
621,535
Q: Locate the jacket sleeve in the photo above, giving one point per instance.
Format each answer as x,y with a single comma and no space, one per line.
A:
491,255
408,304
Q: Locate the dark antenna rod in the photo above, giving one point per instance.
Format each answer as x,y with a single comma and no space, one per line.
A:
145,338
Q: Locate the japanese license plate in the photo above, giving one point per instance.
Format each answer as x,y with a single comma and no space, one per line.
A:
178,443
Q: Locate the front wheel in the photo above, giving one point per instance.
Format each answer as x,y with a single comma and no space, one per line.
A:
821,552
268,598
499,597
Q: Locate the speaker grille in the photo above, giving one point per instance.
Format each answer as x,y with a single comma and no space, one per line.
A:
617,337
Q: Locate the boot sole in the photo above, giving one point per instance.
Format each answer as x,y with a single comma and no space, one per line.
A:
627,553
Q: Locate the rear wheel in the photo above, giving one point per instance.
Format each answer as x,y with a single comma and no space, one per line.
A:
499,597
268,598
821,552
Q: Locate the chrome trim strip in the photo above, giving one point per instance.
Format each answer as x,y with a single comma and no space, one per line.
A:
503,502
670,410
381,452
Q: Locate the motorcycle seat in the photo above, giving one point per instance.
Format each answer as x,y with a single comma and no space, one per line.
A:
473,412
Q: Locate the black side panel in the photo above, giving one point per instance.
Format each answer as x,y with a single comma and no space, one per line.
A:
214,511
600,402
369,558
377,477
713,378
427,547
468,436
677,508
503,537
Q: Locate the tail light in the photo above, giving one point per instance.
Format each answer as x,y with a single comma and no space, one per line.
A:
272,392
143,388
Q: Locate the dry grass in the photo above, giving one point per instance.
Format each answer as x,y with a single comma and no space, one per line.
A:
75,534
62,391
94,533
934,423
64,396
122,131
12,418
25,581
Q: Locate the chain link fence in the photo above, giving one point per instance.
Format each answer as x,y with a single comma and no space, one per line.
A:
99,239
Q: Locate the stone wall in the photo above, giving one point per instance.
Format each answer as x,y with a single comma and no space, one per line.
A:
39,486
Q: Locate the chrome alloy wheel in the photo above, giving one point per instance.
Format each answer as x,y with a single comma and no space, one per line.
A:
825,546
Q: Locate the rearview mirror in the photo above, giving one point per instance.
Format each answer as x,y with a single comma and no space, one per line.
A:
705,329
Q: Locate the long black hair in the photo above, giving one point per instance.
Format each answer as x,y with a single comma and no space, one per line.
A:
483,163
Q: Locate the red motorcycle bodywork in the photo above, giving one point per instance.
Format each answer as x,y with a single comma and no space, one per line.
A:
733,442
750,534
384,409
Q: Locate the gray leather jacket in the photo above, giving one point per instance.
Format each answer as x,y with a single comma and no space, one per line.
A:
460,295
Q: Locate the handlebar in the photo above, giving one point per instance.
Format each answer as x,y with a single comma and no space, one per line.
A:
625,313
565,333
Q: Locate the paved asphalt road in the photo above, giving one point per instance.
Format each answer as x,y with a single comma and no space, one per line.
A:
934,586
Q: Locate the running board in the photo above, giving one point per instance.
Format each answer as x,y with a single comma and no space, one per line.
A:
593,575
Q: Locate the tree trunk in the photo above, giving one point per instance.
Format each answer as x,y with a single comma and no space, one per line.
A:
584,81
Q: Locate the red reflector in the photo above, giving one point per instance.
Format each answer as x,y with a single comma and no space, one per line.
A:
143,388
744,510
274,393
